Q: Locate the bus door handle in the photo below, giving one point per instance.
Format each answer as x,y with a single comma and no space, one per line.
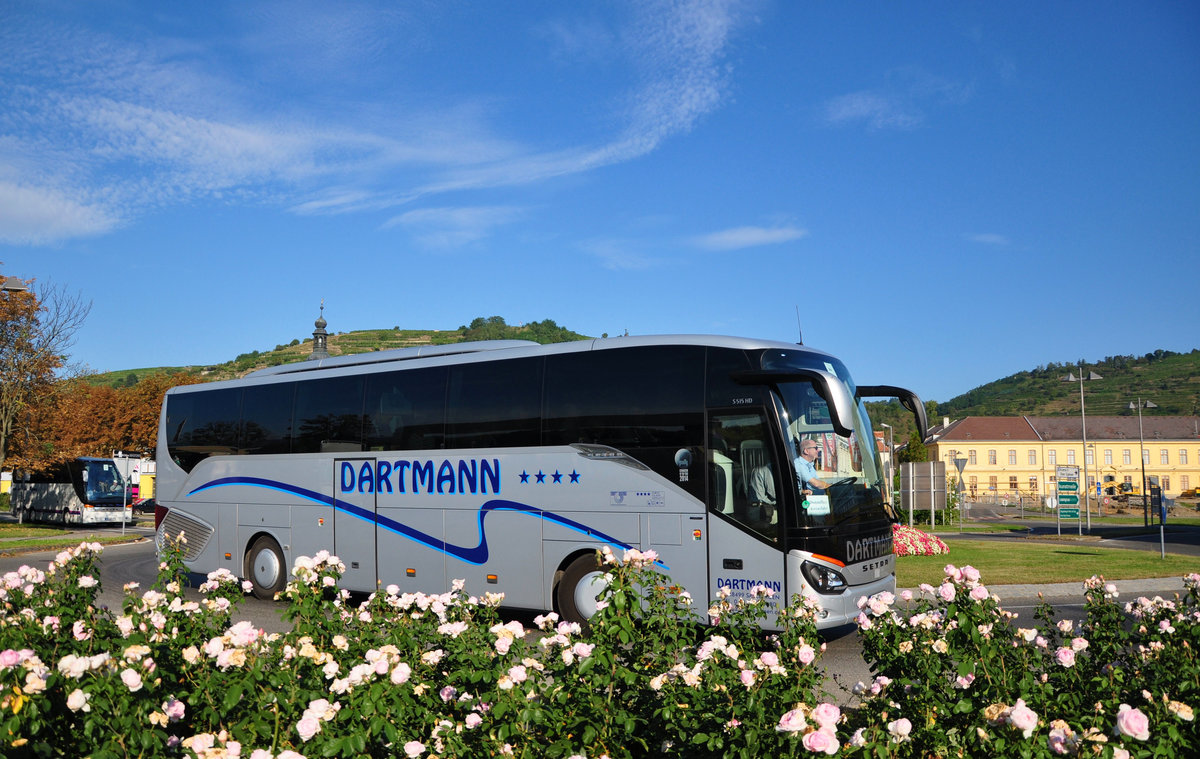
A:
731,564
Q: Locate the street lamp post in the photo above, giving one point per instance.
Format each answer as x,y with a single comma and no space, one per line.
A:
1142,455
1087,491
891,467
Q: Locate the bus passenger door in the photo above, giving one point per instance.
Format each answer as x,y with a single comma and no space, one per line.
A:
745,496
354,495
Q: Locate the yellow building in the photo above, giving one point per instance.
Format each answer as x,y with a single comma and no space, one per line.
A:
1020,454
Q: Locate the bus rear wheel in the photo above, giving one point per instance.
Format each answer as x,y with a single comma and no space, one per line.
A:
577,589
265,567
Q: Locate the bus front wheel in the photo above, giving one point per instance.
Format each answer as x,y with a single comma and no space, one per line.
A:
265,568
578,587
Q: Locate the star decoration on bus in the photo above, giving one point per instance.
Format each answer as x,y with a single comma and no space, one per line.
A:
556,478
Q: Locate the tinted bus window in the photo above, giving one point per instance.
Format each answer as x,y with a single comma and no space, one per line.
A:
328,415
723,391
202,424
636,397
267,418
405,411
494,404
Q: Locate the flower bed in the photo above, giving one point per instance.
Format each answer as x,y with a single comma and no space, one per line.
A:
909,541
444,675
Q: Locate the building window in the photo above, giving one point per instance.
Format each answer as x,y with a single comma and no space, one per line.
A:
1032,457
992,457
1033,484
1164,457
1183,458
1089,457
973,482
1145,456
1052,457
1126,459
1070,456
1012,457
1166,483
1012,482
1184,482
1129,479
1108,457
971,457
992,483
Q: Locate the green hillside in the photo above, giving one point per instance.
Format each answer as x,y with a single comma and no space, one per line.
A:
348,343
1170,380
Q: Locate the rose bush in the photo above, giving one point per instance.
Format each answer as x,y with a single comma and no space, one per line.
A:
416,675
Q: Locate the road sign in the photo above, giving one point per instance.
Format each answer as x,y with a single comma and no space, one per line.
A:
1068,513
1068,486
1068,499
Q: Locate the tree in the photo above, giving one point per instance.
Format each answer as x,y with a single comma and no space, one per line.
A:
37,326
915,451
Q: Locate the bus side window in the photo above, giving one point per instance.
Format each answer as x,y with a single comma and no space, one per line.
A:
328,415
743,475
494,404
405,410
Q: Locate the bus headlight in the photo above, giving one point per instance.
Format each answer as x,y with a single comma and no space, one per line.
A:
823,579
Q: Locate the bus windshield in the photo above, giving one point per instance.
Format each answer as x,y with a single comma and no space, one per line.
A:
837,477
100,482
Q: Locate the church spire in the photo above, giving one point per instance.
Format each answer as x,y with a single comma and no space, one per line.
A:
320,348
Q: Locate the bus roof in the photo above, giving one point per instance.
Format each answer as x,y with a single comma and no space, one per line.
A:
485,350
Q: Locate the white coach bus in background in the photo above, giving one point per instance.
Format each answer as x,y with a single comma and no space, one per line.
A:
508,464
85,490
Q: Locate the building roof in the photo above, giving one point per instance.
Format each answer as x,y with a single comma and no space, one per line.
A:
985,428
1050,428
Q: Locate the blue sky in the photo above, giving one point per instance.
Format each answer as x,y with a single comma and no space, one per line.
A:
947,192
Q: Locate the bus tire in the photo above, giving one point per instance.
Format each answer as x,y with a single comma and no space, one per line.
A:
576,590
265,567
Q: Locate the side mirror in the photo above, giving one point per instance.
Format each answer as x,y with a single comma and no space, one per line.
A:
908,399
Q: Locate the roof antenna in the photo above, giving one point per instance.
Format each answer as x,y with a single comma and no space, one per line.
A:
799,328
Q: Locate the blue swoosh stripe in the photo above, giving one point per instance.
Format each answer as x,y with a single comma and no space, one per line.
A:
472,555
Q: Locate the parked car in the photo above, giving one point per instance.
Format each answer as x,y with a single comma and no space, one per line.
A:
144,506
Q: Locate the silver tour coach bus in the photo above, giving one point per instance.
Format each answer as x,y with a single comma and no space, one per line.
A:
508,464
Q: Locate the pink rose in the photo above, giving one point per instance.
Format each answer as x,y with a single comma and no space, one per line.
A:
1023,718
792,722
946,592
826,715
413,749
979,593
308,726
807,654
900,729
820,742
1065,656
1133,723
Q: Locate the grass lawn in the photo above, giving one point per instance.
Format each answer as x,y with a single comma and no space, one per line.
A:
1012,562
23,538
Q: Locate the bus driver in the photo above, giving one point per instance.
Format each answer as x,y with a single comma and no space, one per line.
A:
806,471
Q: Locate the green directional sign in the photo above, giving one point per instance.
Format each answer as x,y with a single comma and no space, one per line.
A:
1068,486
1068,513
1068,499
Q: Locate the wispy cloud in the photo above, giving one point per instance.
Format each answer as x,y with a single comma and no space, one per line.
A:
987,238
901,103
103,128
453,227
621,255
40,216
748,237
